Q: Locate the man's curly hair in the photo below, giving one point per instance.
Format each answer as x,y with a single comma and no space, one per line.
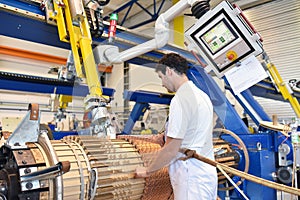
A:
173,61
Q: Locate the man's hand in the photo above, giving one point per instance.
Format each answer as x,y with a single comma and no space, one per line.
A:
159,139
141,172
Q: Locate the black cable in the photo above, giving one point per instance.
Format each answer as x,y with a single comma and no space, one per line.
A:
103,3
200,8
100,25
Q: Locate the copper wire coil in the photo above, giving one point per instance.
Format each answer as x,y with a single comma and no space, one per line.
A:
158,185
114,162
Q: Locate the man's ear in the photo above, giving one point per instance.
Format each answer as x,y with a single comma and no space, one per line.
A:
168,71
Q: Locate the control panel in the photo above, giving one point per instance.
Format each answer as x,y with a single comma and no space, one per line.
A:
223,37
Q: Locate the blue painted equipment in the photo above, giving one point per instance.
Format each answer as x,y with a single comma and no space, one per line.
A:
142,99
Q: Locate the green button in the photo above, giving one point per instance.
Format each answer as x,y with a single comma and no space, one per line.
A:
114,16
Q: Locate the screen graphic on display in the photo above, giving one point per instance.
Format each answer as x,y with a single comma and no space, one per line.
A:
218,37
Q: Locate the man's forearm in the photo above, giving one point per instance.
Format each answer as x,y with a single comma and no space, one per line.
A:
165,155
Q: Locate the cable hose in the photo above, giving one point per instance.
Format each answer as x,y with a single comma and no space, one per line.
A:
249,177
100,25
103,3
96,29
246,154
200,8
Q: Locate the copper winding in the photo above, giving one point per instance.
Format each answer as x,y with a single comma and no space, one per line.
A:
243,147
34,111
147,144
228,157
158,185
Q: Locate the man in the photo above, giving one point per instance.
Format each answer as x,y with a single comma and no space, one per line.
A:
190,126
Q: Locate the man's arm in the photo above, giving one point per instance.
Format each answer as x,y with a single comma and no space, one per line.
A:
162,158
159,139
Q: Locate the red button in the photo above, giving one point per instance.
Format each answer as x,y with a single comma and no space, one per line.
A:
230,57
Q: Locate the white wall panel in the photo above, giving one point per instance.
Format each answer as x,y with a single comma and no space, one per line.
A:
144,78
115,80
279,24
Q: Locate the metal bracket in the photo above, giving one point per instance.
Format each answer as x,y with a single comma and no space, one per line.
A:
27,130
283,151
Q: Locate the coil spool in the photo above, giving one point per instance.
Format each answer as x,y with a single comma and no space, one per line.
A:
225,155
100,169
114,163
76,180
105,169
158,185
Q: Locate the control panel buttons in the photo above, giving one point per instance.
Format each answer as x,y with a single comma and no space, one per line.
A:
231,55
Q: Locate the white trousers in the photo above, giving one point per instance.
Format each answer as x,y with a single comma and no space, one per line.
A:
193,180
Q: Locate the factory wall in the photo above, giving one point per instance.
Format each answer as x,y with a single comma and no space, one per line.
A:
144,78
116,80
279,24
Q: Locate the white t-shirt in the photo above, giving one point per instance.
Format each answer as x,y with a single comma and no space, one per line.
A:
191,119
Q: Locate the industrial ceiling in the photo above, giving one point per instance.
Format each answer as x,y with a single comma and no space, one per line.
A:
129,11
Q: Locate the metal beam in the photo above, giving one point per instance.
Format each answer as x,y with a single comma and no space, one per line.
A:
152,15
34,30
20,82
17,26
